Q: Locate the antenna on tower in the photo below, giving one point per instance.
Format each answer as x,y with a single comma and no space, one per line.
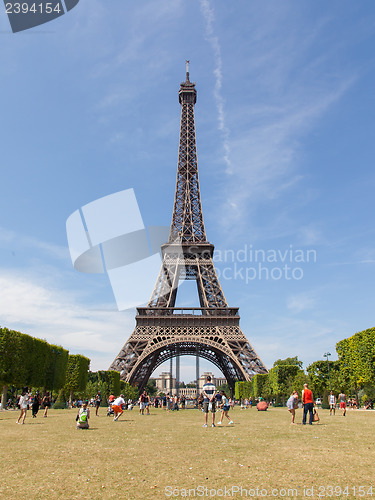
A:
187,70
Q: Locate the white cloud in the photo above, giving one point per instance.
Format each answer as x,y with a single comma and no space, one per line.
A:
301,302
14,241
34,308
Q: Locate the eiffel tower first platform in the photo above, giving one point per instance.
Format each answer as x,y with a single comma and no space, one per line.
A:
211,331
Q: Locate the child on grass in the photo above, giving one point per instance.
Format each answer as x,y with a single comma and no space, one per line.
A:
225,406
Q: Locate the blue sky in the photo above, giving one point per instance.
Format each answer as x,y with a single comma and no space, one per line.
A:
285,128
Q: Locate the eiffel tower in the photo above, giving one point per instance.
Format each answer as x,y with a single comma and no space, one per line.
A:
211,331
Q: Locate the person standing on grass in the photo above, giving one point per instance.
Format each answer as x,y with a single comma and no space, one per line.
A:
209,401
292,404
117,407
308,404
332,404
147,403
342,402
225,407
23,404
46,403
98,400
142,403
169,402
36,404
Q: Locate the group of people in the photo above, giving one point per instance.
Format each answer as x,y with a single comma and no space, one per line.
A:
212,399
307,400
27,400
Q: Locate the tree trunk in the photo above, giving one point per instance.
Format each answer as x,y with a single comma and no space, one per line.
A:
4,397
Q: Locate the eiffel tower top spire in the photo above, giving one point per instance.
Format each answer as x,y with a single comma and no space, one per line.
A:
187,70
187,219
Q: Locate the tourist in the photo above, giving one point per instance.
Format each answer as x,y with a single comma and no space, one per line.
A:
209,401
117,407
292,404
46,403
342,403
332,404
308,404
142,403
169,402
23,404
83,417
200,402
147,403
36,404
98,400
225,406
218,399
175,403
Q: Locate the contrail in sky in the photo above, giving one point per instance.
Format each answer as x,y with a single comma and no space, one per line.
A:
209,17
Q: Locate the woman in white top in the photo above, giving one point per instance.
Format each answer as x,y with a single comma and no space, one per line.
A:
332,403
23,402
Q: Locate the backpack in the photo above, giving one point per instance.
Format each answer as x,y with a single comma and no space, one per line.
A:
83,417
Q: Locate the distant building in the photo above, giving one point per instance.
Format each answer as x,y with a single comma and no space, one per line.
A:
164,383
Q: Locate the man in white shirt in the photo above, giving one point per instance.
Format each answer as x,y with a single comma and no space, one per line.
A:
209,401
117,407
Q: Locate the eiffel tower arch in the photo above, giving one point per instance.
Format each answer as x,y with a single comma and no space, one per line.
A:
211,331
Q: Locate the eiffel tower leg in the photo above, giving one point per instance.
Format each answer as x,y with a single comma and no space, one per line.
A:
177,370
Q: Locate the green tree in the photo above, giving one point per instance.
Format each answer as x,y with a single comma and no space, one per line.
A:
55,371
320,376
11,362
289,362
129,391
76,374
151,387
357,359
259,385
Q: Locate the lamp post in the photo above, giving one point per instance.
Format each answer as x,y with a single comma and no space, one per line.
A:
326,355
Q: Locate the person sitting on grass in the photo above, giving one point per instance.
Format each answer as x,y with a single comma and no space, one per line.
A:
83,417
225,406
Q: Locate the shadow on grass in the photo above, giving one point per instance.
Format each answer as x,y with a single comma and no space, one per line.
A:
119,421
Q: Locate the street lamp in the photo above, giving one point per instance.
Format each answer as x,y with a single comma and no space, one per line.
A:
326,355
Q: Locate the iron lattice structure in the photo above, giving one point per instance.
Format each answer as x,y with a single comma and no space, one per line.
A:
211,331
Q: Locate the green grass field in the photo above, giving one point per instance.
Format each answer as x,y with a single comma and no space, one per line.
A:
165,455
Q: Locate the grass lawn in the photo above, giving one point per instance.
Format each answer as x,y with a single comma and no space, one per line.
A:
166,454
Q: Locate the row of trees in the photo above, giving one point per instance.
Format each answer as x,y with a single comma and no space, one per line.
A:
286,376
26,361
353,373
